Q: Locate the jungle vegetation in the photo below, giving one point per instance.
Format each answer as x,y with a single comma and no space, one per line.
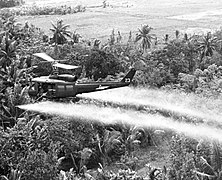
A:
37,146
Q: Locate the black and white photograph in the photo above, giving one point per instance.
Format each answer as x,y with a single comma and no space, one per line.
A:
110,90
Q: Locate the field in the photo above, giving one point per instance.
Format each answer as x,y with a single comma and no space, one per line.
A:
165,16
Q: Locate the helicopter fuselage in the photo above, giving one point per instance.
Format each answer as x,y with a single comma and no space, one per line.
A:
66,85
58,88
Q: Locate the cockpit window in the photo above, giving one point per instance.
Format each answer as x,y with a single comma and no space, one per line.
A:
69,87
61,87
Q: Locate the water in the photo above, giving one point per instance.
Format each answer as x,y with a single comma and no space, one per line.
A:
181,104
112,115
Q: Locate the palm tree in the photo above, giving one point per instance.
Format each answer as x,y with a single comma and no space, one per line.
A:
75,37
7,50
130,37
185,37
207,45
96,43
60,32
145,36
177,33
112,38
166,38
190,51
119,37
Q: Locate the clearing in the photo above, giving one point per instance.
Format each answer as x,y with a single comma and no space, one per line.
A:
165,16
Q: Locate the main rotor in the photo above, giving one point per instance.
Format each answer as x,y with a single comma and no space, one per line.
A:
55,63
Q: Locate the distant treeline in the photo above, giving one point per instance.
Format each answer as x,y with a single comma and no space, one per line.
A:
10,3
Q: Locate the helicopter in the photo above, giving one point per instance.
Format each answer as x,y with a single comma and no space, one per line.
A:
67,85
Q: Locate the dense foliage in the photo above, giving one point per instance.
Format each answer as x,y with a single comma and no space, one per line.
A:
38,10
36,146
10,3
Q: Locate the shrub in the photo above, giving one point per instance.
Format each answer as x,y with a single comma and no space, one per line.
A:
40,165
36,10
99,64
182,164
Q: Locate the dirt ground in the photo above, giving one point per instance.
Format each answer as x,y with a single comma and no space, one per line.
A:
165,16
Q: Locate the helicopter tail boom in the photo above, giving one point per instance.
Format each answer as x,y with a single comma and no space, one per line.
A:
129,76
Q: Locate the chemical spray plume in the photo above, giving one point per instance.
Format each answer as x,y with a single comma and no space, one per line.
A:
177,102
112,115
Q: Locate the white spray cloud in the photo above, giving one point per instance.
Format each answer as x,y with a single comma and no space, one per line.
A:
111,115
184,104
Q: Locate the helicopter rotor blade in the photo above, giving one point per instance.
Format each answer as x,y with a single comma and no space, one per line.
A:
44,56
54,62
65,66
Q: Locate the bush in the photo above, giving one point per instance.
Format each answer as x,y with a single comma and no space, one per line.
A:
40,165
100,64
182,164
46,10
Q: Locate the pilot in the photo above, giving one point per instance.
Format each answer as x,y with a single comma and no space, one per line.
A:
55,71
75,76
54,75
40,90
44,87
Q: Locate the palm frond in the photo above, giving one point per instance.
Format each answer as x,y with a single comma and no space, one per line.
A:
204,174
141,32
216,157
138,37
206,167
220,175
6,111
67,34
53,25
65,26
53,30
3,177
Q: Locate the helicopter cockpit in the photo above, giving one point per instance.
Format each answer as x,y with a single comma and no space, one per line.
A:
38,88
